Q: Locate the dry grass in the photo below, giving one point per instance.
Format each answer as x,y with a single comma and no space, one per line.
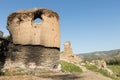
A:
51,76
25,77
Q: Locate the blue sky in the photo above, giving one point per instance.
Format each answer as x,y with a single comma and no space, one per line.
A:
90,25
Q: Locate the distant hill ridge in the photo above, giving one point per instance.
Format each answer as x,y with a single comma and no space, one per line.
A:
100,54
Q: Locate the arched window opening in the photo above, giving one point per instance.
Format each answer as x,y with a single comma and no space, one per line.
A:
37,20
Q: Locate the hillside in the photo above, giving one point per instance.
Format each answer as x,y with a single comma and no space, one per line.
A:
100,54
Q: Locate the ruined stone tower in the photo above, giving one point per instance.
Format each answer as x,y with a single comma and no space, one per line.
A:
68,55
67,48
33,45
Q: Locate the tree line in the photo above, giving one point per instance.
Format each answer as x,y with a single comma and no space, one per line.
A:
113,61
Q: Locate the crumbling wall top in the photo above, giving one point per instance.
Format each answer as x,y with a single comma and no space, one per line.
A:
67,44
33,13
25,31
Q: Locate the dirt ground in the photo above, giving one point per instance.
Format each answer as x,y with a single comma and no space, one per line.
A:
86,75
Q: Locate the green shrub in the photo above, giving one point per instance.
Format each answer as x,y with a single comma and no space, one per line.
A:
91,67
69,67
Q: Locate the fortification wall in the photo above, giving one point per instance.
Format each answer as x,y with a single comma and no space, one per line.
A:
30,44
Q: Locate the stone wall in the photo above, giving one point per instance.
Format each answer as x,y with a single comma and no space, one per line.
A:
1,34
68,55
2,57
25,31
22,56
101,64
4,42
32,45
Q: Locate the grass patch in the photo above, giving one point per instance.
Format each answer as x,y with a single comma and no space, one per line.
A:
91,67
69,67
103,72
115,69
95,69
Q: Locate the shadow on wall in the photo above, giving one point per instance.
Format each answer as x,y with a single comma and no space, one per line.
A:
4,42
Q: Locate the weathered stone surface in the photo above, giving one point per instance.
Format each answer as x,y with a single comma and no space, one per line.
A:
68,54
32,57
25,31
3,50
101,64
1,34
31,45
67,48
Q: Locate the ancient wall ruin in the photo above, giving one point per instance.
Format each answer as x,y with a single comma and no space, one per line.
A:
25,31
33,44
1,34
68,55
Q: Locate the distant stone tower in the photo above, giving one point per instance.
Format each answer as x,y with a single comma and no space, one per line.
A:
67,48
36,45
68,55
